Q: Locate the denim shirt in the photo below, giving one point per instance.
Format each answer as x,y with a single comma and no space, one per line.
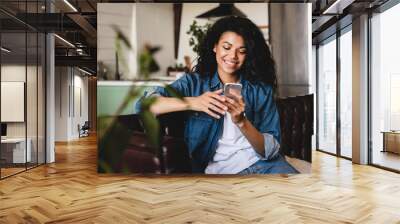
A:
202,131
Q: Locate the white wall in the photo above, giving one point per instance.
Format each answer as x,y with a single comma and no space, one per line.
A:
61,103
150,23
123,16
155,26
84,84
70,84
256,12
79,117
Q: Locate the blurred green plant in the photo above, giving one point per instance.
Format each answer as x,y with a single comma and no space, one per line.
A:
113,137
147,63
121,44
197,34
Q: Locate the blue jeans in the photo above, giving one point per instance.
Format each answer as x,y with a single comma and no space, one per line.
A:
275,166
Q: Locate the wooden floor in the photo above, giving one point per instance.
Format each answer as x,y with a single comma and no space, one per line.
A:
10,171
70,191
386,159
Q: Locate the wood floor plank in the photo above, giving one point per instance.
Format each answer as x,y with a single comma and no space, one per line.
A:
71,191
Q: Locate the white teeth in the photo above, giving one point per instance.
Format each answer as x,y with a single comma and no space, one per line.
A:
230,62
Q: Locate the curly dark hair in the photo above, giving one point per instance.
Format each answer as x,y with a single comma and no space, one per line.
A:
258,65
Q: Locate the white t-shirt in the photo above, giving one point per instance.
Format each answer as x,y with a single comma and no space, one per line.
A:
234,152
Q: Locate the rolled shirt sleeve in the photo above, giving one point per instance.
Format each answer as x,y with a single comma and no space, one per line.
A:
271,146
269,124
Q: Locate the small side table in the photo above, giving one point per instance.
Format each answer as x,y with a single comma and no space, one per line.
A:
391,141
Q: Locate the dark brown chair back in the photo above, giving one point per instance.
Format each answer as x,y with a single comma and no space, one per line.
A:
296,117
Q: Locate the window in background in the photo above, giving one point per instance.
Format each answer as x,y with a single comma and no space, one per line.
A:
327,96
346,94
395,102
385,85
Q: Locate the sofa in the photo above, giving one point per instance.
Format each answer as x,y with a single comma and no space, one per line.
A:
296,117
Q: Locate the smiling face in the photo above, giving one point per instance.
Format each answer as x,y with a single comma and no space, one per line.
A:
230,53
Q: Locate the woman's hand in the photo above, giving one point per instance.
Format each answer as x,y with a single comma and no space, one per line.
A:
236,108
208,102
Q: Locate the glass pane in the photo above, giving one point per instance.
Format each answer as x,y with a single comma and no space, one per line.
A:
385,83
13,86
31,97
22,63
327,97
346,94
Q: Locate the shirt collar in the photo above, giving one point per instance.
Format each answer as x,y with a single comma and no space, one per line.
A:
216,82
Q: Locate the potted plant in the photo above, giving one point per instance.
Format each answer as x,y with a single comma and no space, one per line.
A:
197,34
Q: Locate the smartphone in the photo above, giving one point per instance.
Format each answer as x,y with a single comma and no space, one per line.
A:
230,88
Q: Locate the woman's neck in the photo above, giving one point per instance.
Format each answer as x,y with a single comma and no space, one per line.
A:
228,78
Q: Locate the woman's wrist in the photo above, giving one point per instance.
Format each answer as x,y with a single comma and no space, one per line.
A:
241,124
189,103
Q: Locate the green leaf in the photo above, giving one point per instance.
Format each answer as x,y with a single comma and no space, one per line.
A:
104,167
147,102
172,92
121,36
152,129
133,94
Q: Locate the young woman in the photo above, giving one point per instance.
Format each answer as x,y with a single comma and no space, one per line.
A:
230,135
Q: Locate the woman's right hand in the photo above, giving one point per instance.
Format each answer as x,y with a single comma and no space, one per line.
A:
208,102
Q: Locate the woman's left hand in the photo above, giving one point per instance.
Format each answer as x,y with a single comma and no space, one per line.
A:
236,108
